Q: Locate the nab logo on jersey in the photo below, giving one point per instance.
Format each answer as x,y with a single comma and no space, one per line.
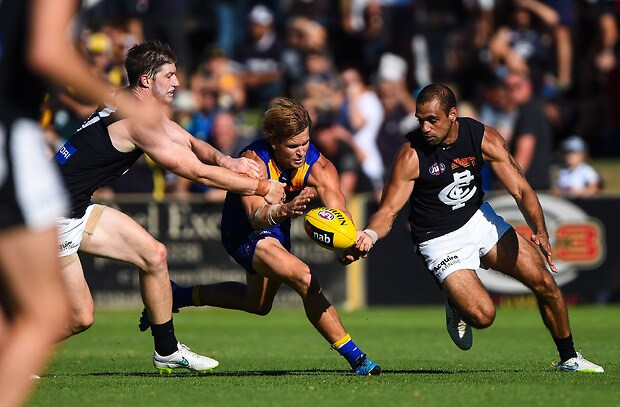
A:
437,168
459,191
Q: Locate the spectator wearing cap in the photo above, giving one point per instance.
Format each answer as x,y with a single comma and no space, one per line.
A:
260,56
576,178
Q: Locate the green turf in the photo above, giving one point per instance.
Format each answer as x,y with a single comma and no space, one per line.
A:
279,360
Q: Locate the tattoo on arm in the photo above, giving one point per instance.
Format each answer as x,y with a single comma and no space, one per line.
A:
513,162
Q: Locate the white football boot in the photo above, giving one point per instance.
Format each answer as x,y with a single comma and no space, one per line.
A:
183,358
579,364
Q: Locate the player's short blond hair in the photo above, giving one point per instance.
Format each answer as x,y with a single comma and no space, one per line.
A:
285,118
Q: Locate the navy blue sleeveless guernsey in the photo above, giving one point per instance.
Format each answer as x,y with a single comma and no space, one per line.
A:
449,188
21,90
88,160
235,223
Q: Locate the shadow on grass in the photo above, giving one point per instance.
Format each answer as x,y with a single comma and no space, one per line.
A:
273,373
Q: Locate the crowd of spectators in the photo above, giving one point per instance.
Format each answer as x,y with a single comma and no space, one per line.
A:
539,71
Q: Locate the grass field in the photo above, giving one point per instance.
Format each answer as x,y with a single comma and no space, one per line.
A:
280,360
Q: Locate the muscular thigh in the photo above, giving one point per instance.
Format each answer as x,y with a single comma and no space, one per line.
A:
515,256
117,236
273,261
466,291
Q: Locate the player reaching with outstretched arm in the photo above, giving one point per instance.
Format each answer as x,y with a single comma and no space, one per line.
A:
35,50
104,148
258,236
438,171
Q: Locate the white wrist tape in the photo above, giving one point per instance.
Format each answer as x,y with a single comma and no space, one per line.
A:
258,212
272,213
373,235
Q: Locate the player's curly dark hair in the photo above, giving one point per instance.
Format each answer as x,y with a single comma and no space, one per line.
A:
437,91
284,119
147,59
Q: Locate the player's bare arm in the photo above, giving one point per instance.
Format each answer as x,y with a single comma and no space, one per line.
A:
208,154
396,193
174,154
261,214
324,178
50,55
509,173
397,190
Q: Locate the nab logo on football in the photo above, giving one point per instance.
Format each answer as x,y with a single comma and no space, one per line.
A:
322,237
330,228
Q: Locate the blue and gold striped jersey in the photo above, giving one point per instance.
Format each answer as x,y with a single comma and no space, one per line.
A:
235,223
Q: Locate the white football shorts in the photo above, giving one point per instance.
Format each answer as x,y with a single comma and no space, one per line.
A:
71,230
462,248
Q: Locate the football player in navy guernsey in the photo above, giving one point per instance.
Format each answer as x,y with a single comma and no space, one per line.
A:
35,49
102,150
437,170
257,234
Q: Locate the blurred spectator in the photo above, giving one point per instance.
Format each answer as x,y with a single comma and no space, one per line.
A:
362,32
99,55
201,122
563,41
576,178
304,37
330,140
499,109
224,137
324,12
217,71
183,108
63,112
261,58
165,20
520,46
362,114
123,37
532,140
300,48
399,118
607,15
321,82
435,21
230,18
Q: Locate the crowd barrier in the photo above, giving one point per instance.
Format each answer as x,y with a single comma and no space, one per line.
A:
583,233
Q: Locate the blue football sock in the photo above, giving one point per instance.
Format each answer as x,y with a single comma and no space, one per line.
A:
182,297
348,350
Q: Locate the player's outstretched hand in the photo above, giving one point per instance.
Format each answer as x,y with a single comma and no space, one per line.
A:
297,205
241,165
542,241
363,243
359,250
276,194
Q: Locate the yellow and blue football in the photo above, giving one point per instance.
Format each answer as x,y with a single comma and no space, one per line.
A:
330,228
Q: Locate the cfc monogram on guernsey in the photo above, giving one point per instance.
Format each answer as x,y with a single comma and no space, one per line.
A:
448,191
